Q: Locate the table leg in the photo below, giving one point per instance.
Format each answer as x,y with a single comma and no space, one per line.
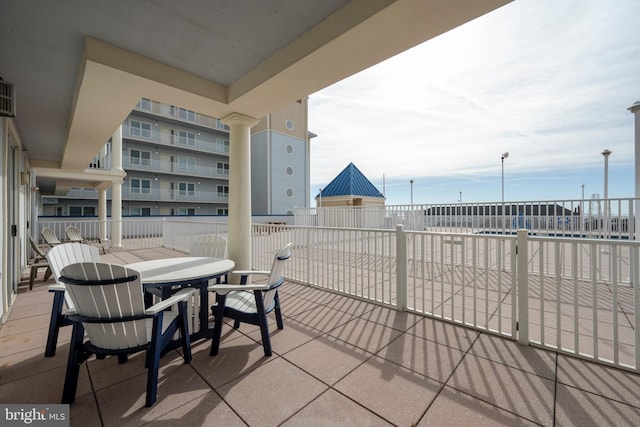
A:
204,309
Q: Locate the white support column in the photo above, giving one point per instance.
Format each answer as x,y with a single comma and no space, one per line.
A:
102,214
239,246
635,109
116,192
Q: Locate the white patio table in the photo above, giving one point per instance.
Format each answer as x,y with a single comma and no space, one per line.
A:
160,276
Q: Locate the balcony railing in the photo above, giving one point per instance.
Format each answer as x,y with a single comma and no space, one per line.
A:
156,165
167,195
574,295
165,138
592,218
182,114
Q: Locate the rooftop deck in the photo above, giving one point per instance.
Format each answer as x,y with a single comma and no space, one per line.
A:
339,361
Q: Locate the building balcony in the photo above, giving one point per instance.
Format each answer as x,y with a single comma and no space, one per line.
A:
155,165
167,139
166,195
338,361
180,114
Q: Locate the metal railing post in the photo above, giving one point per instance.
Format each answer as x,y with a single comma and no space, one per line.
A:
401,268
522,288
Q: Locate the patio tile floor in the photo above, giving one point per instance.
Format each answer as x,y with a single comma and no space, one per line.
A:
339,361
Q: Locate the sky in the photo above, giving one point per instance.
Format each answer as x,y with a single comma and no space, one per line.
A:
548,81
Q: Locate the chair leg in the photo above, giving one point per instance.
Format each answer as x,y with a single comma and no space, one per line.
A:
32,276
263,323
153,357
184,331
277,311
47,273
218,315
73,364
54,324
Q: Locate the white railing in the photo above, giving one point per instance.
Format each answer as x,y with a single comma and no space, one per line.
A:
572,295
136,232
584,298
182,114
178,234
593,218
463,278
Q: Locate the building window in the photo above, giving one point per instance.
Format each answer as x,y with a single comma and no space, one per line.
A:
289,171
138,211
289,124
137,128
82,211
222,145
185,114
140,158
186,189
223,168
289,192
186,138
139,186
186,211
222,211
186,164
289,149
144,104
221,125
223,191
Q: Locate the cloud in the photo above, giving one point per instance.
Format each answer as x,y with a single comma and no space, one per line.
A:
548,81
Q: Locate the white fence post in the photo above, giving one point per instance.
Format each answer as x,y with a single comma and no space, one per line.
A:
401,268
522,287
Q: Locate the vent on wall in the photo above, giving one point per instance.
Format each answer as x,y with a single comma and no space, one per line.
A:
7,99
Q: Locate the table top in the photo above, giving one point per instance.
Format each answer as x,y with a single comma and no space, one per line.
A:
175,270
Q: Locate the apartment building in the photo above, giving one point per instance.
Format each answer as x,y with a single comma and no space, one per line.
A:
177,163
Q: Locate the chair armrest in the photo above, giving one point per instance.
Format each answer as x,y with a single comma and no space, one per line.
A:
57,288
248,272
182,295
225,289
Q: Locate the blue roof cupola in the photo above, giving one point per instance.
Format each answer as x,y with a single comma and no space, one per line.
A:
350,182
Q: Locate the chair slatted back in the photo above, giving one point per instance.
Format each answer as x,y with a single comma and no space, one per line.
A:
73,234
209,245
110,292
70,253
39,254
50,237
276,278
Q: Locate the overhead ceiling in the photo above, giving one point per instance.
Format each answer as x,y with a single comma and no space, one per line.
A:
80,66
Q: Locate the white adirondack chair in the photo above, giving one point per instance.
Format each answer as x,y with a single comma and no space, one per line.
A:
109,303
59,257
73,234
50,237
211,245
250,303
40,261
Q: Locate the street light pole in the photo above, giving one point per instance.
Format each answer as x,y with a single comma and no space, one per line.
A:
411,182
502,157
606,153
